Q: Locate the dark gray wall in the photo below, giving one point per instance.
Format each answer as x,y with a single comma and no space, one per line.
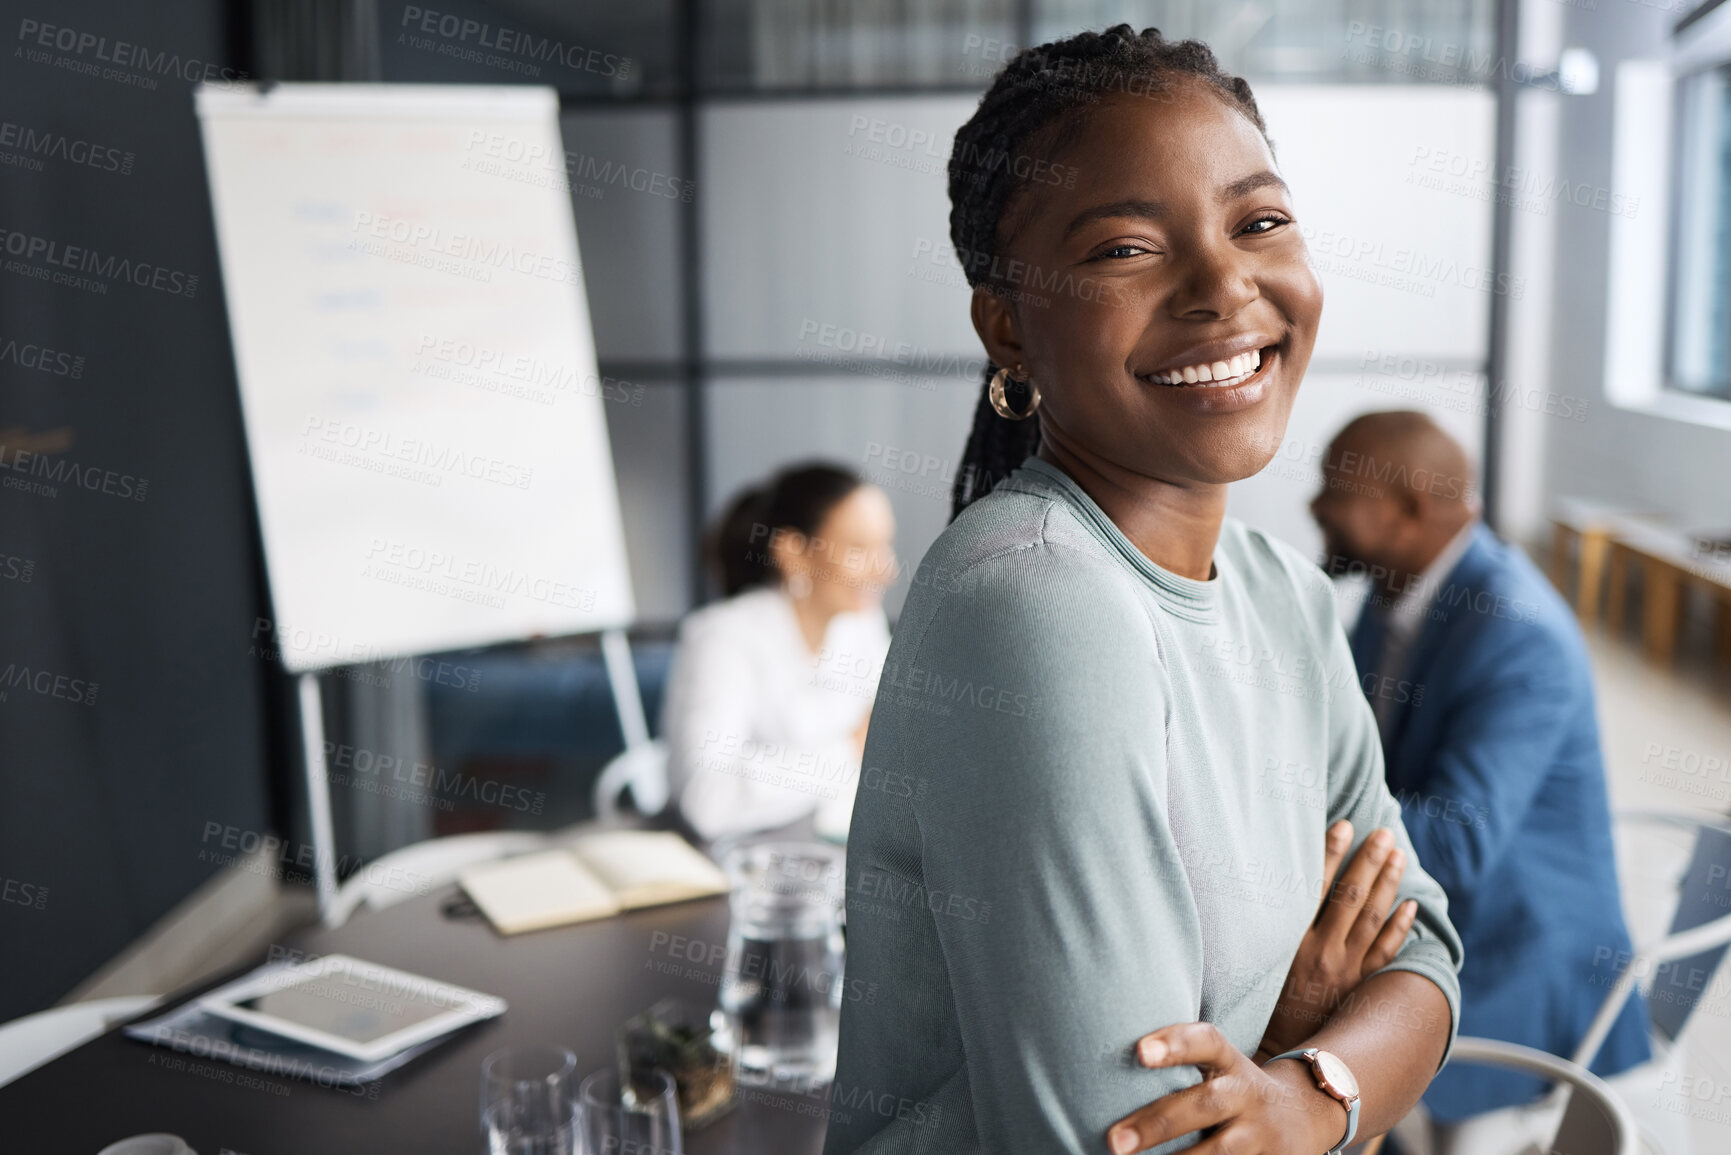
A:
140,591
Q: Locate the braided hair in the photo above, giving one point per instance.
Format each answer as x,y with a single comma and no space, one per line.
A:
1037,105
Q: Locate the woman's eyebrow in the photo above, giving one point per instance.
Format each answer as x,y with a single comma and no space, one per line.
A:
1250,184
1151,210
1154,210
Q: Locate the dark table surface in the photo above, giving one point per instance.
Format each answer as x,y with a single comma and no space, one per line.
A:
572,985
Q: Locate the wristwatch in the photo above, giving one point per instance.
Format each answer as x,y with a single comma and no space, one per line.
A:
1334,1077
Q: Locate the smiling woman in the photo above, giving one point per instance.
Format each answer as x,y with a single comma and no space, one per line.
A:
1141,883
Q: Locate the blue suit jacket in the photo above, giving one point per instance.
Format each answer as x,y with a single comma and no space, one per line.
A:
1492,749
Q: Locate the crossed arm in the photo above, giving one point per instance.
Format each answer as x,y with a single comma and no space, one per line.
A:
1389,1028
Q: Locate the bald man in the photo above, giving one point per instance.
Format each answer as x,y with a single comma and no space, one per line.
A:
1482,692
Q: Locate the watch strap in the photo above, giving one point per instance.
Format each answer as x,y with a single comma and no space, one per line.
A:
1309,1057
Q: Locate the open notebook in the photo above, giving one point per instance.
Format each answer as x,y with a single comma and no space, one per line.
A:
594,876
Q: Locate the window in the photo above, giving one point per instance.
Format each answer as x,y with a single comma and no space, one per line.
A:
1701,251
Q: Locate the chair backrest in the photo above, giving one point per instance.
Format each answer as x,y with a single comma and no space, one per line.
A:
1704,895
403,874
1595,1121
33,1040
1688,953
644,769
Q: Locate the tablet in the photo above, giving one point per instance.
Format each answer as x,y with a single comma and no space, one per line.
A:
354,1008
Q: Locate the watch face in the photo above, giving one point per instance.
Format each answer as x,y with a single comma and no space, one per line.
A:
1336,1077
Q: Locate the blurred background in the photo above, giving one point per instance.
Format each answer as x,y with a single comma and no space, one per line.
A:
1518,211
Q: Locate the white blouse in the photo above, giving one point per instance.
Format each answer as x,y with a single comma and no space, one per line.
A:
759,730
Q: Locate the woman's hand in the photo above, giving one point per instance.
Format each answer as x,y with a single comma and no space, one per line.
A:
1352,937
1277,1110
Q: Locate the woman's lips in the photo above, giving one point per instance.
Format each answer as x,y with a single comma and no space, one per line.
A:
1227,397
1220,375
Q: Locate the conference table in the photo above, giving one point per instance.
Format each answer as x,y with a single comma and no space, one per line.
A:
571,985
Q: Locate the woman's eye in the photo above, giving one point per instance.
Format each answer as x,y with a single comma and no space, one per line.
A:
1265,224
1120,252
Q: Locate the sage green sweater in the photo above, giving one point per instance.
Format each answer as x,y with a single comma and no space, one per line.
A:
1093,804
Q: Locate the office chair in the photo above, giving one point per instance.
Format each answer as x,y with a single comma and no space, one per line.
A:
642,768
1674,971
417,869
1593,1120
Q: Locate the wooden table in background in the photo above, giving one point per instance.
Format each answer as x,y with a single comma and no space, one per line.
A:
1670,564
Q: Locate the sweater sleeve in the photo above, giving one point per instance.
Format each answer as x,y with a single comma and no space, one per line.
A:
1033,708
1358,792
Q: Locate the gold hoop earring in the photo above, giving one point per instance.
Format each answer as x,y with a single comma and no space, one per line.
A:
1001,403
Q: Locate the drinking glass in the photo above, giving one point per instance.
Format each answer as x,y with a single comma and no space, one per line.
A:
781,989
529,1101
639,1119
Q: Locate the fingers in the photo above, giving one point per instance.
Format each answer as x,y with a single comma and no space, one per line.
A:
1389,941
1214,1100
1372,917
1189,1045
1208,1103
1333,850
1340,909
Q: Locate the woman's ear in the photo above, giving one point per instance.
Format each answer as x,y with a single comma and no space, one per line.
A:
995,322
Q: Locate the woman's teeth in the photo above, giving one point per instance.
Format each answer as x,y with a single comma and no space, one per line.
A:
1230,372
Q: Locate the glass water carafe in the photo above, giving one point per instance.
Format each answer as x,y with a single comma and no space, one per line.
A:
781,989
